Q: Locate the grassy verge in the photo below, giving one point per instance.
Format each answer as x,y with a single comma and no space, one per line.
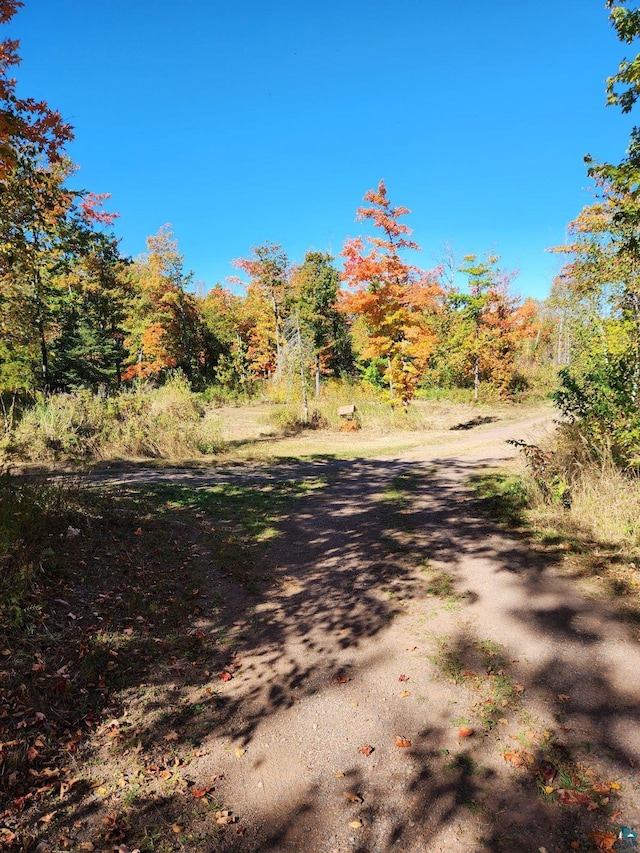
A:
596,533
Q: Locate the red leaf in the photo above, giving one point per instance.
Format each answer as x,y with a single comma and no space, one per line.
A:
341,679
403,678
225,676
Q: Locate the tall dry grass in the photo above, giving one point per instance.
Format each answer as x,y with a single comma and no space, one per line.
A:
598,496
168,422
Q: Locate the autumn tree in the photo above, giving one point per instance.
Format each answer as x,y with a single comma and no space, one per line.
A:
224,318
165,328
492,324
315,285
24,122
268,271
391,302
601,282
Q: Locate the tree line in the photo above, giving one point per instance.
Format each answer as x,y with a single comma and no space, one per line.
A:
74,312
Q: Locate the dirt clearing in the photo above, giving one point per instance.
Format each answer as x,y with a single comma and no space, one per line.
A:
323,655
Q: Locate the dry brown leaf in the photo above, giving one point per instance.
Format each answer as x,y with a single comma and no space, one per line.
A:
402,742
177,828
47,818
224,817
351,797
239,751
403,678
341,679
367,749
603,840
356,824
339,774
571,798
563,697
465,731
171,736
403,694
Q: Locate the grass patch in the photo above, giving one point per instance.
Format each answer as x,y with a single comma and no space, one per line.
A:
481,666
252,510
504,497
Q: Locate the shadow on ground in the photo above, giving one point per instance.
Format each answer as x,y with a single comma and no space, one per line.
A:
170,634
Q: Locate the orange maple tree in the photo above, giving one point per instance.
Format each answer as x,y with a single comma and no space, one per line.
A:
390,301
24,120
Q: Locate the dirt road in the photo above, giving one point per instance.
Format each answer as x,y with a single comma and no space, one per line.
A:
415,678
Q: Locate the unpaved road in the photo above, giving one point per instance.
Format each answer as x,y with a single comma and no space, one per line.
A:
390,598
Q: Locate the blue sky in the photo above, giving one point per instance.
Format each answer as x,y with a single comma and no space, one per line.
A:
254,120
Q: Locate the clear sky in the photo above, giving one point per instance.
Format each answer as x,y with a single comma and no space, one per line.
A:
245,121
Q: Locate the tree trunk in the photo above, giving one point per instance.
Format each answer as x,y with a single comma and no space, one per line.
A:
476,378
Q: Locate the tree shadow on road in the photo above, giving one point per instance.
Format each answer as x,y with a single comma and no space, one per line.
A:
187,640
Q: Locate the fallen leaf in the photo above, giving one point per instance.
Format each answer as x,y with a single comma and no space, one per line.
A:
614,786
547,771
171,736
224,817
403,694
549,789
592,807
353,798
339,774
403,678
198,793
47,818
563,697
402,742
239,751
519,759
412,648
341,679
603,840
367,749
138,531
177,828
465,732
225,676
571,798
356,824
89,846
354,704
